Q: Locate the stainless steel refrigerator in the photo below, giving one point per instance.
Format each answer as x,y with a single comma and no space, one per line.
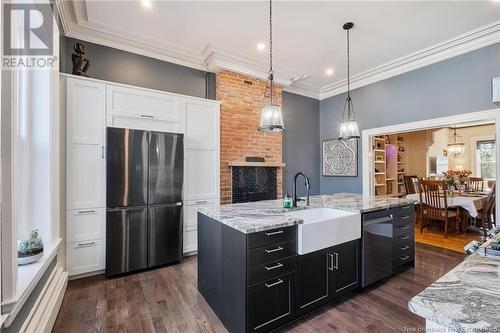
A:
144,199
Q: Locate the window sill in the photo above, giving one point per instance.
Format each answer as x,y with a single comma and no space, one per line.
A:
28,277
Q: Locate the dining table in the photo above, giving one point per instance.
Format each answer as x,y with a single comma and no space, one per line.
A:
472,202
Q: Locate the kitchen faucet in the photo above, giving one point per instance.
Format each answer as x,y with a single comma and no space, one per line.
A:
308,188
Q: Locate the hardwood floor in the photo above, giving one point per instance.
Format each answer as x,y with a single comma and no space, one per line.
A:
167,300
454,241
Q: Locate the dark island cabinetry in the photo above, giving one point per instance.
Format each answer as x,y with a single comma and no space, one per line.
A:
256,282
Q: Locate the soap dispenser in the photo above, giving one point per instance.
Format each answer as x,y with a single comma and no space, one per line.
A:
287,201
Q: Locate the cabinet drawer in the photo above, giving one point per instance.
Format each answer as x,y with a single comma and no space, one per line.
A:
403,210
271,270
403,228
270,253
402,260
190,238
85,257
85,224
403,218
191,213
271,303
404,243
269,237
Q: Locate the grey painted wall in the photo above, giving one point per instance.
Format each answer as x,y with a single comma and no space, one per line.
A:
455,86
115,65
301,151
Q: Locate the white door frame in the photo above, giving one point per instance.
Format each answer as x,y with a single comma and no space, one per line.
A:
479,116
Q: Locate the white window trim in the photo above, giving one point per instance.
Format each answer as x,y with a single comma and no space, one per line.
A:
15,294
473,151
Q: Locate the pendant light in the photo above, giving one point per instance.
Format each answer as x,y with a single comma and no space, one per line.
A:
456,146
349,128
271,118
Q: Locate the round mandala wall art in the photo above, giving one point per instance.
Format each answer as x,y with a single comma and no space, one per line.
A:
340,158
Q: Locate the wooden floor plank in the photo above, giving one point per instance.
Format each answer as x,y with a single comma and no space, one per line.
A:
167,300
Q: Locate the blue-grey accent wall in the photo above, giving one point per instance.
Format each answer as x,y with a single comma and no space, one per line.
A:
301,151
110,64
455,86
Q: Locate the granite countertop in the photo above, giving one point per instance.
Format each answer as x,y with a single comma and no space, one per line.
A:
466,299
264,215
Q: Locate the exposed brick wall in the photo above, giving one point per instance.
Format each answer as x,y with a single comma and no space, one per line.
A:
242,100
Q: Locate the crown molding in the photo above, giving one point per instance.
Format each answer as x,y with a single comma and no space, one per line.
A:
470,41
76,24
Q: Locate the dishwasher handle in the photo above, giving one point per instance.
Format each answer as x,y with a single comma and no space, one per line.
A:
382,219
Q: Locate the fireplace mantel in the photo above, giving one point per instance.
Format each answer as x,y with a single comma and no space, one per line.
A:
256,164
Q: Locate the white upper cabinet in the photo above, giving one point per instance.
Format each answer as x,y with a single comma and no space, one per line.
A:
202,124
86,112
144,109
86,130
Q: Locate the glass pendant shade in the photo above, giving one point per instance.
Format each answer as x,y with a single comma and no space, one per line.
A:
456,147
349,128
456,150
271,119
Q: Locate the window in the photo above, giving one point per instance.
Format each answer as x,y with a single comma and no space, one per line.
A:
486,159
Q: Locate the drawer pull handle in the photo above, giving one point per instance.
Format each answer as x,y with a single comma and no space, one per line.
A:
86,211
405,248
405,207
405,237
201,202
86,244
147,116
405,217
274,233
279,248
269,285
404,258
279,265
405,227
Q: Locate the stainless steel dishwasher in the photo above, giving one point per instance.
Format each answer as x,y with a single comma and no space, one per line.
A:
377,246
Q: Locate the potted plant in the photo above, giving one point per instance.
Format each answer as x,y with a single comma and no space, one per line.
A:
29,250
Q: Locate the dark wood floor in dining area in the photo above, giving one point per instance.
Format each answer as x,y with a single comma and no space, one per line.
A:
167,300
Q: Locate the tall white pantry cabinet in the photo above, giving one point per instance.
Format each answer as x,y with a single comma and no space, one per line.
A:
91,106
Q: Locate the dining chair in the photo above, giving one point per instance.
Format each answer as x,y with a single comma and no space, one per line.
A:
409,182
475,184
487,214
434,200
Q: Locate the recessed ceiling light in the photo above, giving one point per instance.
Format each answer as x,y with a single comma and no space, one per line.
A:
329,71
147,3
261,46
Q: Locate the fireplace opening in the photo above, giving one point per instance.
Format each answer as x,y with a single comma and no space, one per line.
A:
253,184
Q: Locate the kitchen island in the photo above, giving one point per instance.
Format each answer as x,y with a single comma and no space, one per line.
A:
466,299
260,266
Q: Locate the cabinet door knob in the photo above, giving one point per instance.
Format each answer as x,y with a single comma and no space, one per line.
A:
279,248
269,285
330,261
274,233
336,266
273,267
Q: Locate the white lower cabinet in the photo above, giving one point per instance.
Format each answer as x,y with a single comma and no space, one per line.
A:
190,238
84,224
191,222
86,256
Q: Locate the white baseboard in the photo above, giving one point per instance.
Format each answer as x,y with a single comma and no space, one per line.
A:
44,312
